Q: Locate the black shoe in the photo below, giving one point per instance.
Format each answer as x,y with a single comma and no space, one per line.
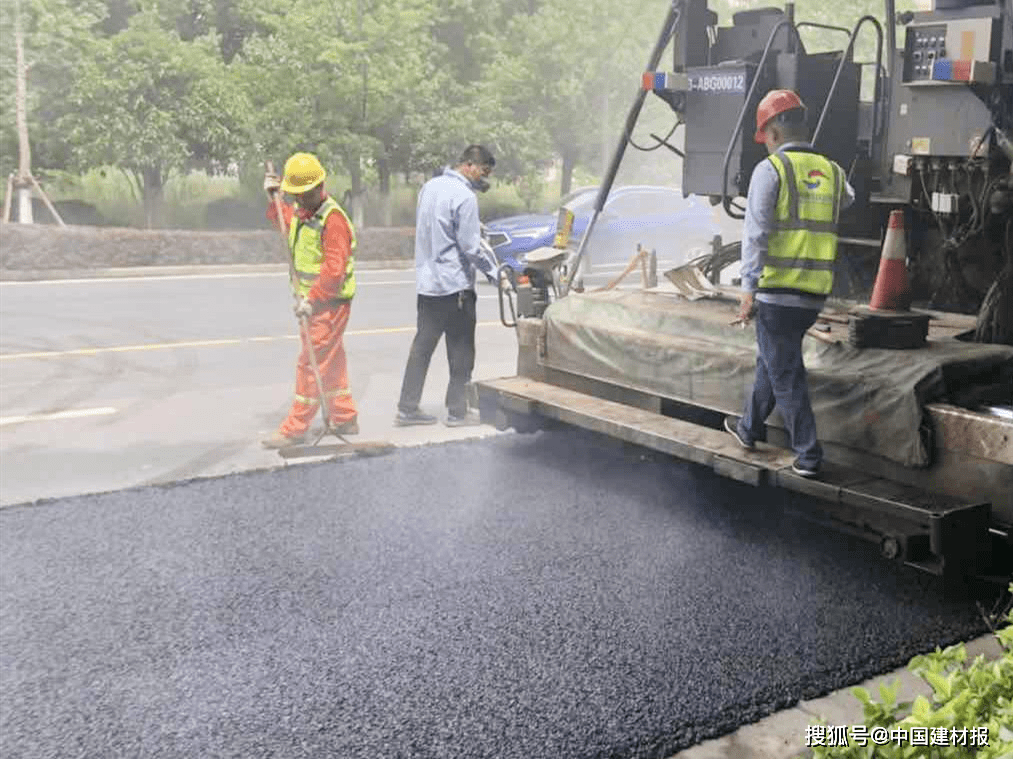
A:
732,427
803,470
414,418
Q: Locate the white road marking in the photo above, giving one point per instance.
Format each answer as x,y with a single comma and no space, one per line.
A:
202,343
57,415
363,275
165,277
153,278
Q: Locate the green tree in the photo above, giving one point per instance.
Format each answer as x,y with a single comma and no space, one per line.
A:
297,98
372,93
566,72
392,51
150,104
56,38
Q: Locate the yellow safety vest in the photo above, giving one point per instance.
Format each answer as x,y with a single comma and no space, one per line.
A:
308,253
802,248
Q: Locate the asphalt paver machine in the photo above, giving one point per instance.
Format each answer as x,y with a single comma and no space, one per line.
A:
918,440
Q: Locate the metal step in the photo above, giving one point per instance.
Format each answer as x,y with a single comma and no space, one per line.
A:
684,440
936,533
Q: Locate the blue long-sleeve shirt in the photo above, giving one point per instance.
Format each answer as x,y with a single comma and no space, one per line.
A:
447,236
761,203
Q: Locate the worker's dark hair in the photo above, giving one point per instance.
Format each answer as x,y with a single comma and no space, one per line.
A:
478,155
794,123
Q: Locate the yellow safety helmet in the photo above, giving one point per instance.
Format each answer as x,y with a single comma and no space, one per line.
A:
303,172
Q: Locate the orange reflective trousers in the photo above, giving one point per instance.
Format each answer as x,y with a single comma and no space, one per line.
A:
327,331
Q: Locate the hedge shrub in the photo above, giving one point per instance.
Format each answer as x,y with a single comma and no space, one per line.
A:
966,699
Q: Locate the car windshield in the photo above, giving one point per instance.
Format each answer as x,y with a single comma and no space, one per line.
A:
645,202
632,202
581,198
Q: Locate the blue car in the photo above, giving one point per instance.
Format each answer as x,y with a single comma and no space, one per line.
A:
657,218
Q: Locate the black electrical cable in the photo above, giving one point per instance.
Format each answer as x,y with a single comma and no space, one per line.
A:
974,222
995,317
928,199
950,248
713,263
851,168
661,143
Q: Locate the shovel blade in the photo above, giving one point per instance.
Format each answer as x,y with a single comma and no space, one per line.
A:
690,282
374,448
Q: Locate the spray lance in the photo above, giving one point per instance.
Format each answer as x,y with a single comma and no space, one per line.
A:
667,32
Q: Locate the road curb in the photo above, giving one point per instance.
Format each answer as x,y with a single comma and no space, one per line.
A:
35,275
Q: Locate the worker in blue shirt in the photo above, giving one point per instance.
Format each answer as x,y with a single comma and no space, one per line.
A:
789,246
447,255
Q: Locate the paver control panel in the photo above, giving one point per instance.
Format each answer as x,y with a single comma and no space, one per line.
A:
925,44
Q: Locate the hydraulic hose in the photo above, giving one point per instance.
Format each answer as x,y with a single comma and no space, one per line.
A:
1005,144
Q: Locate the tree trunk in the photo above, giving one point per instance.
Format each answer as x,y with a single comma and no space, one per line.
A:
24,195
358,209
24,188
386,211
566,177
153,192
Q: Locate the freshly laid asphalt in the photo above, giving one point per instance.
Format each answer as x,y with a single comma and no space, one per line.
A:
555,595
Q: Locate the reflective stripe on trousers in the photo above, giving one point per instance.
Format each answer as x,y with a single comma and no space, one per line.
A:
327,331
314,401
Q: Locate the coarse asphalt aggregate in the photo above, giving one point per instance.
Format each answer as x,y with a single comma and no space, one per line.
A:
551,595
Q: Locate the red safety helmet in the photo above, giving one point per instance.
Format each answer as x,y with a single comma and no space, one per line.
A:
774,103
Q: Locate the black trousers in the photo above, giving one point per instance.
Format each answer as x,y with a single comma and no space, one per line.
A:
452,316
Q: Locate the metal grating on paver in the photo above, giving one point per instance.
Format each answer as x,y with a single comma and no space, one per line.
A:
555,595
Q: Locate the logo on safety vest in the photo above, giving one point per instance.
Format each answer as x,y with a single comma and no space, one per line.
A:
813,178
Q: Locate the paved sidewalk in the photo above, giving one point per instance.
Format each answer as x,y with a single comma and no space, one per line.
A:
782,735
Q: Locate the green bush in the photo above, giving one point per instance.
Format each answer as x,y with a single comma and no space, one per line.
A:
967,700
402,204
196,200
118,199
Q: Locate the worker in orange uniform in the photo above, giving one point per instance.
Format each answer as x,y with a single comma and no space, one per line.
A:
321,240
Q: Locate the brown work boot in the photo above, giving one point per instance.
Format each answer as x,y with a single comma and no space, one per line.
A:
278,440
351,427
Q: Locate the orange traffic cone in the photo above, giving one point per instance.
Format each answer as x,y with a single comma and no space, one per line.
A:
891,291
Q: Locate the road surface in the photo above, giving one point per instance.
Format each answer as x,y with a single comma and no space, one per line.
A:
550,596
580,610
113,382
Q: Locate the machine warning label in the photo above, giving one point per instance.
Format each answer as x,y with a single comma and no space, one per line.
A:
708,82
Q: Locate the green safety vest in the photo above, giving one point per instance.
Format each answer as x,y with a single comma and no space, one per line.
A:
803,245
308,253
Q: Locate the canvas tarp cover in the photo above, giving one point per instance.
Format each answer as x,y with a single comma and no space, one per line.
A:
869,399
